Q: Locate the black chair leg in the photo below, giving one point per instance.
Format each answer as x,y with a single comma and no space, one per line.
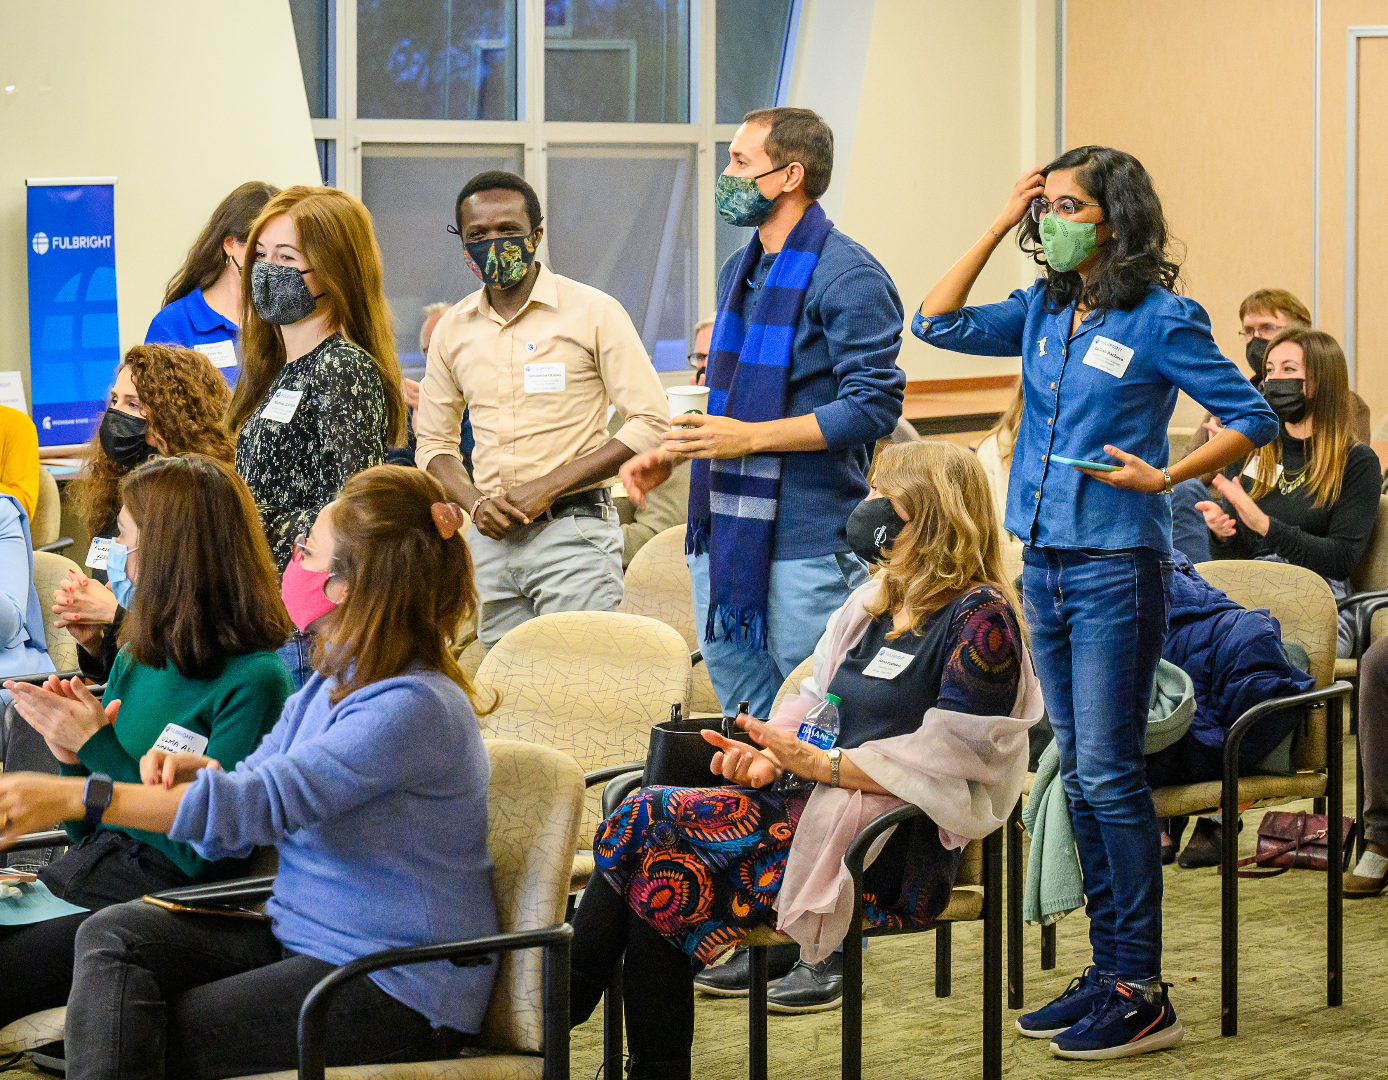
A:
1334,923
1318,806
1048,947
992,957
612,1027
1014,908
852,1053
1360,840
756,1014
944,934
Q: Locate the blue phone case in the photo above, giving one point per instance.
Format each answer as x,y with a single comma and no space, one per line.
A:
1098,465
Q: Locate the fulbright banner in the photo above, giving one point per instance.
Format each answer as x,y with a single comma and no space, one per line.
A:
74,339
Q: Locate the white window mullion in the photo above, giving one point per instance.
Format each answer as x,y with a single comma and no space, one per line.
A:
704,42
349,146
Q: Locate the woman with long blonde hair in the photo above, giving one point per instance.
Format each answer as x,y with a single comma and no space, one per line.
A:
318,395
928,655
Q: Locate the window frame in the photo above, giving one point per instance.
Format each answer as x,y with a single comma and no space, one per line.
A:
348,135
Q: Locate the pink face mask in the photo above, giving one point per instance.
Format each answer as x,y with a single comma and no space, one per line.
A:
302,591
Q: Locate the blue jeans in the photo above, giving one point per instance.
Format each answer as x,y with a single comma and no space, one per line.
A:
1097,622
297,654
803,594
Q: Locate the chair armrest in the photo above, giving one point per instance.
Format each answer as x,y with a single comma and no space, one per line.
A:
696,657
57,545
554,940
618,789
1359,598
1371,605
611,772
35,840
38,678
240,891
1234,740
858,849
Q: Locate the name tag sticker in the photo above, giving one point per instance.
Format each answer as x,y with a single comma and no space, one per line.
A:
98,553
1251,469
1108,355
888,664
544,378
221,353
179,740
282,406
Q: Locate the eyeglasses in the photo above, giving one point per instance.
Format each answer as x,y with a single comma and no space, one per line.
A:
697,359
301,550
1262,330
1064,206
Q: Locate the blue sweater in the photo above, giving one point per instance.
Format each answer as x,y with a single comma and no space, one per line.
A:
842,369
23,650
378,806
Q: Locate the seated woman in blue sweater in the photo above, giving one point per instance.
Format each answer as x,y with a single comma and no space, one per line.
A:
373,787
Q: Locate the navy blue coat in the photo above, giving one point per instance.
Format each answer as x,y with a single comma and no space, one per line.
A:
1234,657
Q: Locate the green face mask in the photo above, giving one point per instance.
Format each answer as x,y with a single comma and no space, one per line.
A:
1067,243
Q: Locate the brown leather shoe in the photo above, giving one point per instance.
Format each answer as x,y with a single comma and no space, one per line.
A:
1358,886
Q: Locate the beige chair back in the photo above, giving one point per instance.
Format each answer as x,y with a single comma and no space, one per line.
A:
534,803
590,683
657,586
971,865
48,512
50,570
792,683
1372,572
1302,603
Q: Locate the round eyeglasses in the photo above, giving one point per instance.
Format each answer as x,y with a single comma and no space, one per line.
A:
1065,206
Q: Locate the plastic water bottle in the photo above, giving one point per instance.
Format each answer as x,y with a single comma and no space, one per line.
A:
821,724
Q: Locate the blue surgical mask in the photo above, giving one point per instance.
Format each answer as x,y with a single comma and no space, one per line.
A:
121,586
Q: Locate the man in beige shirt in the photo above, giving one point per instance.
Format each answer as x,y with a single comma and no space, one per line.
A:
536,358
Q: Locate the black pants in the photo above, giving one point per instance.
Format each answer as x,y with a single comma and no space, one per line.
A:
102,869
160,994
657,981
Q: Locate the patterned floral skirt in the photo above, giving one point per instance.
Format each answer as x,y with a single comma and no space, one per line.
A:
704,865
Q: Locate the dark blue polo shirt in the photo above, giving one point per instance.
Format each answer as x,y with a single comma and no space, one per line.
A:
190,322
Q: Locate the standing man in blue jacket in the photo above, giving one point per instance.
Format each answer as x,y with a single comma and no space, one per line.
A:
802,382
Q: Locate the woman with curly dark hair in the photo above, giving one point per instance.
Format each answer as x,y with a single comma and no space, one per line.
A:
1105,343
164,400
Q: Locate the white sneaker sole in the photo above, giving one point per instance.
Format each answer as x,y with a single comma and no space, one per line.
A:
1160,1040
1036,1033
713,991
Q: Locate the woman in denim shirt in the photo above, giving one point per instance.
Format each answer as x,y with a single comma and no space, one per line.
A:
1105,344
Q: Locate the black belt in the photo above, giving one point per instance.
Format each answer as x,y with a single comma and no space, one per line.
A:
596,502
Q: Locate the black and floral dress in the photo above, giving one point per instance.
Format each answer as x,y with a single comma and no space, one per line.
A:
296,467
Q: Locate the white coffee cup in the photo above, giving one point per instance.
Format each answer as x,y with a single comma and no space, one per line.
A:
687,399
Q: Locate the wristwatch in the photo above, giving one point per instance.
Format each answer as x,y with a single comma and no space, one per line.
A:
835,756
96,797
1166,475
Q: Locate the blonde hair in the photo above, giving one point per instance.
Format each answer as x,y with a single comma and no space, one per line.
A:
1008,423
339,244
1327,407
951,541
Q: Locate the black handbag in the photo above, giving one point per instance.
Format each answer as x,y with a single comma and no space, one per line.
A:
679,756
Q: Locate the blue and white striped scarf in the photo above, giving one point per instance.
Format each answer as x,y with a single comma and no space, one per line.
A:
733,501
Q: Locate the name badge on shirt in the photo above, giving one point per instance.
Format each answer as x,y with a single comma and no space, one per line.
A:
1108,355
175,739
1251,469
544,378
282,406
888,664
98,553
221,353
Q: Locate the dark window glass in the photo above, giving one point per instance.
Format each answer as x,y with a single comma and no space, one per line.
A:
752,38
617,60
313,30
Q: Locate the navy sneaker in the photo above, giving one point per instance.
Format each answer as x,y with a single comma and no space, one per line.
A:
1123,1025
1070,1008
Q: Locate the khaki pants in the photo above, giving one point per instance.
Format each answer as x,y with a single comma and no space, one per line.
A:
569,564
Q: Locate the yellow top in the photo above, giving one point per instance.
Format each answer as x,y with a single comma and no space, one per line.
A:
537,386
19,458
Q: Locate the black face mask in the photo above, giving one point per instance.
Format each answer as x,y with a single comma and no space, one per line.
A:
123,438
1287,398
1253,352
873,525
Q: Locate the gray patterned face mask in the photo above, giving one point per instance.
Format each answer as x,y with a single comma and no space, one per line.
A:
279,293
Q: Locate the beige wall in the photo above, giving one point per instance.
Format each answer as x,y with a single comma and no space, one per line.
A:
956,98
181,101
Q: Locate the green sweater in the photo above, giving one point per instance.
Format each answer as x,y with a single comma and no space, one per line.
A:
234,711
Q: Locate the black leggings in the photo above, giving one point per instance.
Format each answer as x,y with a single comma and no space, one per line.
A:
657,981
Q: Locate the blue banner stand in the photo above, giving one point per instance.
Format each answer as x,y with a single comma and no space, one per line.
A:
74,337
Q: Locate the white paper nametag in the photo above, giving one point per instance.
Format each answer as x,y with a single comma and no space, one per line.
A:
1108,355
98,553
544,378
1251,469
179,740
888,664
282,406
12,391
221,353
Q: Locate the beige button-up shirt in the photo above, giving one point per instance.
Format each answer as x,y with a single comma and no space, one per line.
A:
537,386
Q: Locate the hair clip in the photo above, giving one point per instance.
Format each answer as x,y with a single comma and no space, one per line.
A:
448,518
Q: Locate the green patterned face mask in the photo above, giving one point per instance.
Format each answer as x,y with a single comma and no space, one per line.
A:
501,262
739,200
1067,243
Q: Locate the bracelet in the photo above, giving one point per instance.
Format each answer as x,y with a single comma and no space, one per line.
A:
996,233
1166,475
481,499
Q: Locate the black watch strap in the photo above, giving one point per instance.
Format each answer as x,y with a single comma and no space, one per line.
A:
96,797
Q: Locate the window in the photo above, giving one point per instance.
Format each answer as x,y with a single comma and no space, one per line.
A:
410,98
411,192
